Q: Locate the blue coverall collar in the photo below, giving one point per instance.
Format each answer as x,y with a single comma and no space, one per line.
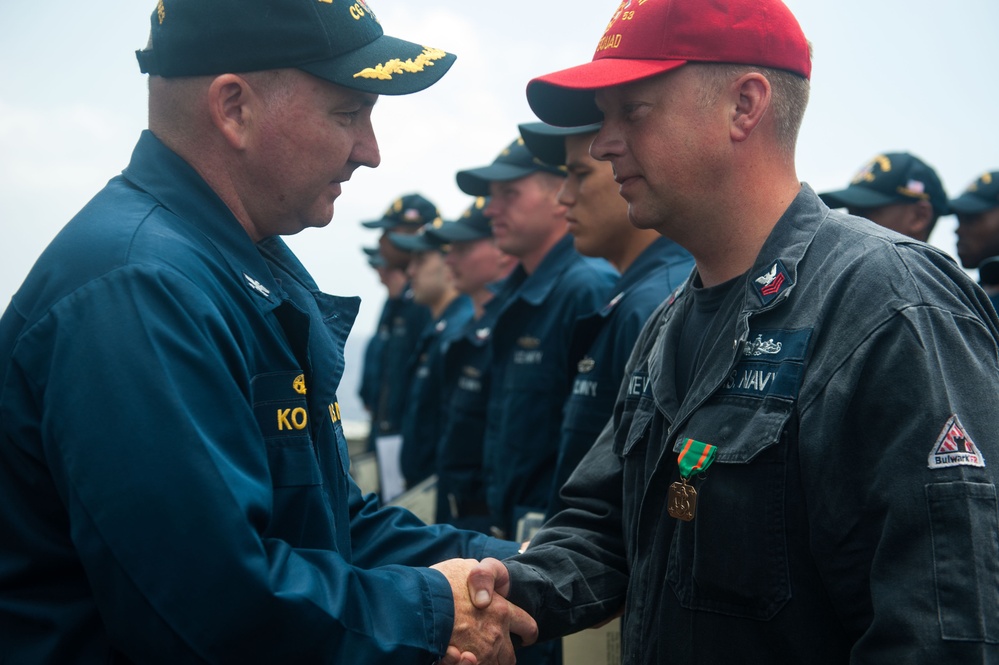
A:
165,176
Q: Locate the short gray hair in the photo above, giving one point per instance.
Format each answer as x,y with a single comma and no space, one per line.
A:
789,96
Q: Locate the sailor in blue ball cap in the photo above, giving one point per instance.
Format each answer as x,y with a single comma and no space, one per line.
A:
402,319
977,210
537,306
478,266
896,190
650,266
174,477
434,288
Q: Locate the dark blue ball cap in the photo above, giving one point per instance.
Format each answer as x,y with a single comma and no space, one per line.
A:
410,210
547,142
472,225
893,177
341,42
421,241
980,196
374,257
513,163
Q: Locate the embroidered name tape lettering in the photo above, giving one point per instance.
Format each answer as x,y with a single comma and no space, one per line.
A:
771,364
279,403
638,384
584,388
289,419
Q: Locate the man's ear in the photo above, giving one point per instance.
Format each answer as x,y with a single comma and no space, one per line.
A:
752,95
230,105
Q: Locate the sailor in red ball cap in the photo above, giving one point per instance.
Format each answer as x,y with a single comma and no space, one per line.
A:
799,468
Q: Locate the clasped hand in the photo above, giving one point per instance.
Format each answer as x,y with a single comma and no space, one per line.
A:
483,627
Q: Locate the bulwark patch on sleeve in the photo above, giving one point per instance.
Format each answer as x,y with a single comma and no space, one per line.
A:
955,448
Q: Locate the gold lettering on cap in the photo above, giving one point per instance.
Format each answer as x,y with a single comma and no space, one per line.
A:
328,2
867,174
160,11
416,65
356,11
609,42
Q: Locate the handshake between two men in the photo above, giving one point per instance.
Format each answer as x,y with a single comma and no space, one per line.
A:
485,623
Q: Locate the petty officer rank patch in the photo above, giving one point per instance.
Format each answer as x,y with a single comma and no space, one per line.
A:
955,448
772,283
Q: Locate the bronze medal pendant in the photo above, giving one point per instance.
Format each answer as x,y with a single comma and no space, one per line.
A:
681,501
696,457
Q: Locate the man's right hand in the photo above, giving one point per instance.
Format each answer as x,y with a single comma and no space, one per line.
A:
482,630
487,577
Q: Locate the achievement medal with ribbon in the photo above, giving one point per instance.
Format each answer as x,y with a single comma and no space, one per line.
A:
695,457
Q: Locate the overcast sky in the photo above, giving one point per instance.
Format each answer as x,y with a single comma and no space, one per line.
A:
888,75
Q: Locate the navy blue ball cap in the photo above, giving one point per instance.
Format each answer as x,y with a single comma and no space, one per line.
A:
337,41
410,210
472,225
513,163
547,142
373,256
980,196
421,241
893,177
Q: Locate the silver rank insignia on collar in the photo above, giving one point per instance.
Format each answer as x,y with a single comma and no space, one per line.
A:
257,286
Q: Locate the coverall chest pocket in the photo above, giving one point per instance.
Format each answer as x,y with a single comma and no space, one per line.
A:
527,389
282,414
732,557
631,444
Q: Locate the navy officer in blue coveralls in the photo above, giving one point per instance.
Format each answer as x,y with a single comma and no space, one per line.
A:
433,287
808,474
651,267
402,320
896,190
537,307
478,266
977,210
394,281
174,481
535,310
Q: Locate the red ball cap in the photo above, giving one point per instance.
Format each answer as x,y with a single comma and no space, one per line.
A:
649,37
